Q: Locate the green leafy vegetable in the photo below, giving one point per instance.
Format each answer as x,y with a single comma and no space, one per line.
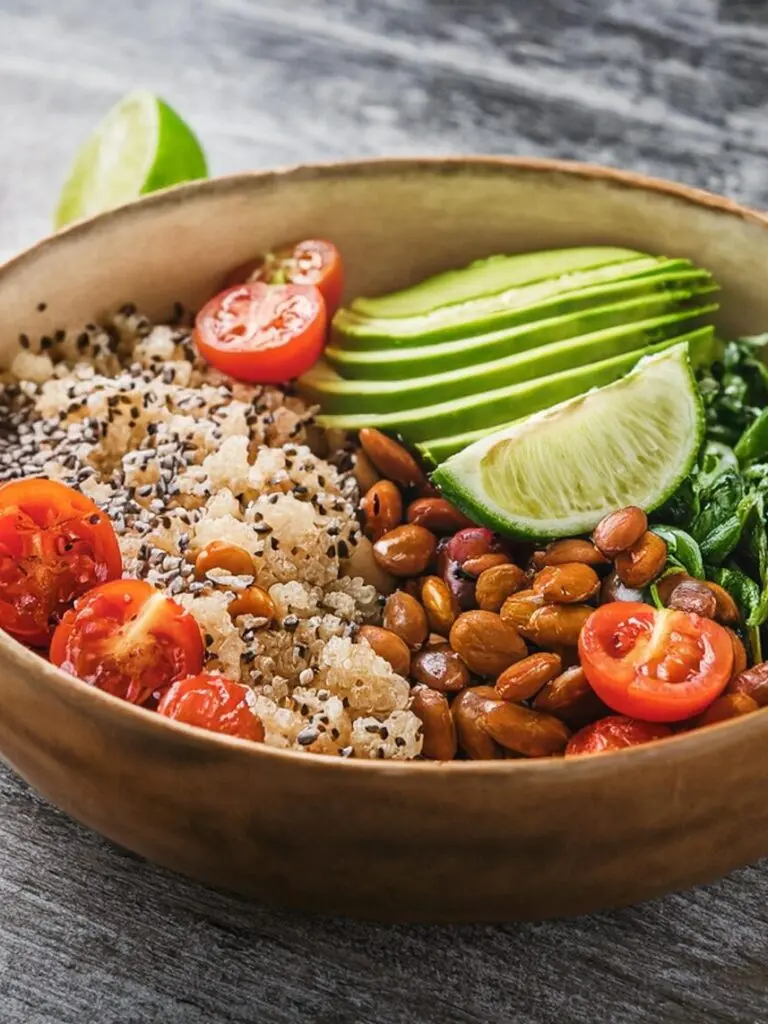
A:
753,443
683,551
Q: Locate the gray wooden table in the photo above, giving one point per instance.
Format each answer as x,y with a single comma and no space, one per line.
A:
678,88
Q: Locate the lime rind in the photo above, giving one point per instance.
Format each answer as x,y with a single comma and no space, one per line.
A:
558,472
141,145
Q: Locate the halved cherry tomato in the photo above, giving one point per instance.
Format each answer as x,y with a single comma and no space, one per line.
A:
614,733
213,702
313,261
659,666
55,544
261,333
128,639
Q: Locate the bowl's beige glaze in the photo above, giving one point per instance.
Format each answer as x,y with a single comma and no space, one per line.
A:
453,842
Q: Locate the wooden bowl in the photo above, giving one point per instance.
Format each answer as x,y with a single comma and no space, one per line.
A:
461,841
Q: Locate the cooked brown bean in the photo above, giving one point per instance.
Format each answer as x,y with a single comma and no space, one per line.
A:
404,616
754,682
468,710
570,698
391,459
525,678
570,583
253,601
362,562
643,562
406,550
496,584
485,643
740,660
731,705
667,584
364,471
727,609
389,646
612,589
382,508
441,669
556,624
569,549
518,609
527,732
434,640
229,557
695,597
441,606
619,530
434,713
476,566
437,515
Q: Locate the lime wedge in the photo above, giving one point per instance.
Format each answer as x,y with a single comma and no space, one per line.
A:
140,146
558,472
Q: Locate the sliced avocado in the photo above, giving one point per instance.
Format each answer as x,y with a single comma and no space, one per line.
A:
703,349
337,395
503,405
424,360
438,450
549,297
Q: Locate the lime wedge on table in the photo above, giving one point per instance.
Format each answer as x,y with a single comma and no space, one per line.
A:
557,473
140,146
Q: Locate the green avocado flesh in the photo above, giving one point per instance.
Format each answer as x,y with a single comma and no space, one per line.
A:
424,361
557,473
337,395
522,304
488,276
451,359
502,405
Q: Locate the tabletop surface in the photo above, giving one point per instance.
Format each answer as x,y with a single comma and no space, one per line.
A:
89,933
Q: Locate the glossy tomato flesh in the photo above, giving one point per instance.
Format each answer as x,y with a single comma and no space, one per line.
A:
213,702
128,639
263,334
55,545
614,733
313,261
655,665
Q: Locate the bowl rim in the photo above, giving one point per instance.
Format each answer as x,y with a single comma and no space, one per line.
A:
26,660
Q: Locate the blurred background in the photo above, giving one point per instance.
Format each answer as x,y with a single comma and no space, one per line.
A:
675,89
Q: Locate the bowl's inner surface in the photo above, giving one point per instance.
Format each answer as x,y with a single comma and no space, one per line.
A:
383,839
395,222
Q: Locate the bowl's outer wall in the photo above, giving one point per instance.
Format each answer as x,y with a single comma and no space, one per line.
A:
457,842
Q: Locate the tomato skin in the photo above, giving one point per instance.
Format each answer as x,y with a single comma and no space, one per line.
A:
313,261
616,732
55,544
655,665
263,334
215,703
128,639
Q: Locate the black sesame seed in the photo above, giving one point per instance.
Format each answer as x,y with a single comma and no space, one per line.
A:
41,307
24,340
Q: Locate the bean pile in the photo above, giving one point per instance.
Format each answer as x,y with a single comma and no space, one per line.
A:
486,629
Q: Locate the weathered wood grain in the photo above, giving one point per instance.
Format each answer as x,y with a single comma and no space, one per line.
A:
90,934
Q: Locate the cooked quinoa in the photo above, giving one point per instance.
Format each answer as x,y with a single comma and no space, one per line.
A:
178,456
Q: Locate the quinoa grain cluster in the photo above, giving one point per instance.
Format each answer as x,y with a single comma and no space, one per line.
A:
180,456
